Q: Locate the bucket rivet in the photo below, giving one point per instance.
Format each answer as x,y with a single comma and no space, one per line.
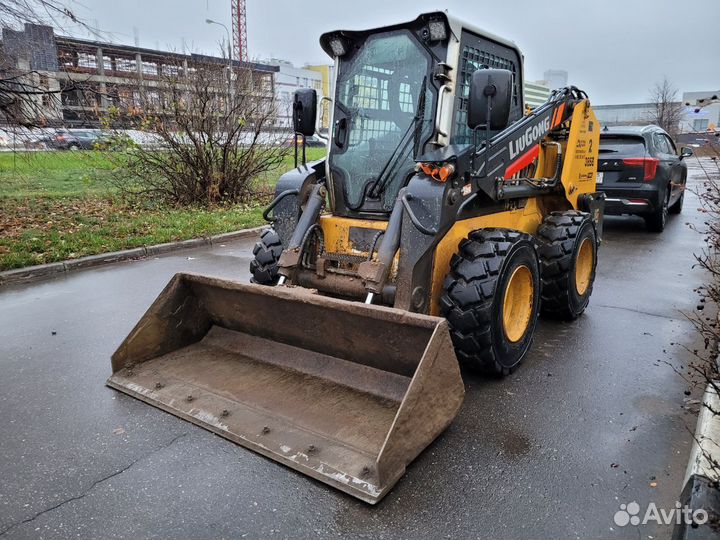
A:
225,413
158,385
190,398
266,430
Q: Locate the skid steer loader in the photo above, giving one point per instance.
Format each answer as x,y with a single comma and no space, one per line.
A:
445,218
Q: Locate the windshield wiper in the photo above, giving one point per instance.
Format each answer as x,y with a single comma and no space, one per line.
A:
377,187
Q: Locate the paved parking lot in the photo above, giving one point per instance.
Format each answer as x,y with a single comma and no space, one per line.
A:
594,418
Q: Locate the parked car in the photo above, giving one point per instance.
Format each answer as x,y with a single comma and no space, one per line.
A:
641,173
61,139
310,142
87,139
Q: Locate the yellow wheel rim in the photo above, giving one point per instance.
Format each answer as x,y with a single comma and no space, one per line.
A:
584,266
518,304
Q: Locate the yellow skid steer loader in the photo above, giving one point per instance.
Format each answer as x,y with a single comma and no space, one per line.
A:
444,219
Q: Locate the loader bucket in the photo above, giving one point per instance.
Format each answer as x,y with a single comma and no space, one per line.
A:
346,393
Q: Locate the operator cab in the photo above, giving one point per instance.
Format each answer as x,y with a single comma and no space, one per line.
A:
388,85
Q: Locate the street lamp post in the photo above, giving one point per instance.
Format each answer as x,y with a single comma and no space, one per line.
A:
231,90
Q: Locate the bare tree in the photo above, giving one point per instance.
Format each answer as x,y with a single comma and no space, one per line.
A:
667,109
208,138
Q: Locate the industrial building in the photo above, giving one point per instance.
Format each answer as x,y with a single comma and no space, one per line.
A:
555,78
91,76
536,93
624,114
697,117
327,73
702,111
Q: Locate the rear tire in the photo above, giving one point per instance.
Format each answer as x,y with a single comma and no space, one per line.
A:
491,299
266,254
568,259
656,221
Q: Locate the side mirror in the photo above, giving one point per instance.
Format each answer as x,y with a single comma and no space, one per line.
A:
304,111
490,97
685,151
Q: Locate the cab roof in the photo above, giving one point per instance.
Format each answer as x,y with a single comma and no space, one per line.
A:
455,24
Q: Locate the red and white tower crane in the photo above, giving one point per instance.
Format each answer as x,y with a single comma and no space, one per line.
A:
239,26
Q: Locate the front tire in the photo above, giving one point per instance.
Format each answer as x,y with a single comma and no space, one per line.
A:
266,255
491,299
568,259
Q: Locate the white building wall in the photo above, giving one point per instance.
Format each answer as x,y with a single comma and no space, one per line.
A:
700,117
625,114
287,80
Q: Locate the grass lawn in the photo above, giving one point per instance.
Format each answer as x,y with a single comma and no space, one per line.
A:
62,205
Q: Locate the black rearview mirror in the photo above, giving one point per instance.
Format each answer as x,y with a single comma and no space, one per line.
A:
490,97
304,111
685,151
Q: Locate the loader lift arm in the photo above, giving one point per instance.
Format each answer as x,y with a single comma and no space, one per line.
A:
490,167
486,175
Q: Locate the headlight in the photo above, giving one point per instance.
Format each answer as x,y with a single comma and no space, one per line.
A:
338,46
437,29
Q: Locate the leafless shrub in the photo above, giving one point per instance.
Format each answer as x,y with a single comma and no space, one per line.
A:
704,370
207,138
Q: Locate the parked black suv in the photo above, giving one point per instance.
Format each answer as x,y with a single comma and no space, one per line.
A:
641,173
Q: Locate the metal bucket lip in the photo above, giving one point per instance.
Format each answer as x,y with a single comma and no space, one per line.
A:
323,472
292,292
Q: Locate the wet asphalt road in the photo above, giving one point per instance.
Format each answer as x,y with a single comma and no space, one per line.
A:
592,418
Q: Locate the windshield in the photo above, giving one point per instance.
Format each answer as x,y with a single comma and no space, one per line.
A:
385,103
618,146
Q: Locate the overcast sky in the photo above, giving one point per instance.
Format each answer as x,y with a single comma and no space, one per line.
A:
614,49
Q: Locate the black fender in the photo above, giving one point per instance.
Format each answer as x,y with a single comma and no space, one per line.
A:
594,204
286,213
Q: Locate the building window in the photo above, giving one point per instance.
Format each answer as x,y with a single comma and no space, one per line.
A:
149,68
87,60
700,124
125,64
171,69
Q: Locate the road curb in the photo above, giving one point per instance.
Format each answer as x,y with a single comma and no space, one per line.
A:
42,271
700,489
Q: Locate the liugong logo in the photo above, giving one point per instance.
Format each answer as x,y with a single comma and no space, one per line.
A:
629,514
